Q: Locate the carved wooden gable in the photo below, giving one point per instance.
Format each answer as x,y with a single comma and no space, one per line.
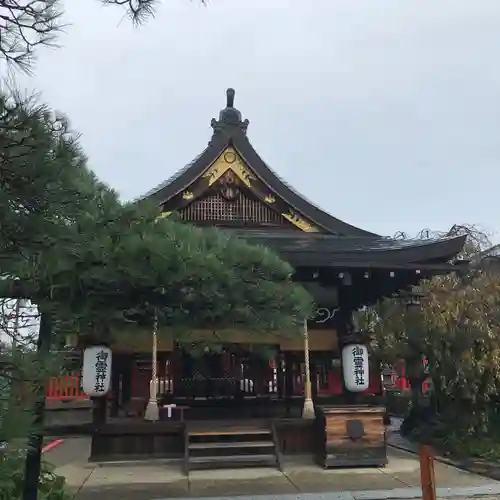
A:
229,193
229,205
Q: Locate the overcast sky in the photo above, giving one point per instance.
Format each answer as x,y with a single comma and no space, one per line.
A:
385,112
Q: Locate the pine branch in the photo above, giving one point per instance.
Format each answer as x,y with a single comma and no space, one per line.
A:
25,25
137,10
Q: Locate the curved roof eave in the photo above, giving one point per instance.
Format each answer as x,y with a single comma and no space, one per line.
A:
185,176
331,248
289,194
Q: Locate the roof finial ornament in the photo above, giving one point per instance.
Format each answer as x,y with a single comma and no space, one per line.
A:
230,98
230,121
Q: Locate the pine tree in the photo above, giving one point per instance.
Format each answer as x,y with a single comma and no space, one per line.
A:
87,260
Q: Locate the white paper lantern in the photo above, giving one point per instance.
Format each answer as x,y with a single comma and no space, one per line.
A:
355,367
96,376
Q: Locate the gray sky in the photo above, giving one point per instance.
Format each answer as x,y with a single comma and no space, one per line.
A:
386,113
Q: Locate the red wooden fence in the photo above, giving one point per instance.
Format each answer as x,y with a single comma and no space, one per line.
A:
65,388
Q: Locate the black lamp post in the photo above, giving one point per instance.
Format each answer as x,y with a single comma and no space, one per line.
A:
412,297
412,300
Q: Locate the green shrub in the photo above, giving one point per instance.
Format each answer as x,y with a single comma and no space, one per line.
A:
12,463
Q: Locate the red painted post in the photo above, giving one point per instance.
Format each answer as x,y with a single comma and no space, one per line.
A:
427,476
425,387
404,381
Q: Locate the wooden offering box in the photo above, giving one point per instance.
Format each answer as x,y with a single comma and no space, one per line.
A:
352,436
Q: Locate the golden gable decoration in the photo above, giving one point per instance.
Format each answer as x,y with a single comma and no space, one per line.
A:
229,160
299,222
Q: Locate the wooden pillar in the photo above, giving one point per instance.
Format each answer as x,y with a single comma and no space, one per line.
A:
288,382
427,476
115,384
342,333
127,378
281,367
99,417
176,369
99,412
314,375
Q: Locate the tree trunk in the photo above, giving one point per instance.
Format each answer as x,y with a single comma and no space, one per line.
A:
416,392
415,375
35,441
436,395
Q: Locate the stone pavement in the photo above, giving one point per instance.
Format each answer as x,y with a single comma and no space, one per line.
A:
394,437
300,480
481,466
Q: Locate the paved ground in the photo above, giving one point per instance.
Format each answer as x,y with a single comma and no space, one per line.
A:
481,466
395,439
301,479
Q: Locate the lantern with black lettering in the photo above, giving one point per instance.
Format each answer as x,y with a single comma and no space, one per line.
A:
96,376
355,367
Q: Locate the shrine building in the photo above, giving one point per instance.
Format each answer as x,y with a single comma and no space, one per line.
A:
243,388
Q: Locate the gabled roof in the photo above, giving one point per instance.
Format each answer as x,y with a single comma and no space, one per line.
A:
230,131
337,243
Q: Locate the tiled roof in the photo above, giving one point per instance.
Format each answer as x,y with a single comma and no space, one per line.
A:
329,248
168,181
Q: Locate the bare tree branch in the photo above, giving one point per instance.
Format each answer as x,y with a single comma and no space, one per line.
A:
138,10
26,24
477,239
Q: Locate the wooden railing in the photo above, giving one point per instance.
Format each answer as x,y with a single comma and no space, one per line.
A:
164,385
65,388
68,387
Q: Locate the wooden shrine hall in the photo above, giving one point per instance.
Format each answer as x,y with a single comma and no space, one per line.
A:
250,398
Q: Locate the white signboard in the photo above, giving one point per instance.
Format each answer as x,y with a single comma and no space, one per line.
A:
355,367
96,376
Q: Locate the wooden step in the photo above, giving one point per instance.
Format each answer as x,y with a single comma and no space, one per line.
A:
232,461
229,432
230,444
